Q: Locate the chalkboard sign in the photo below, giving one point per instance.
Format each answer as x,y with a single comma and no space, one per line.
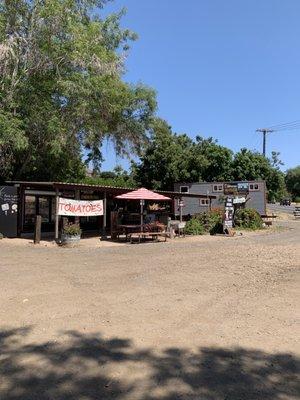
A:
8,211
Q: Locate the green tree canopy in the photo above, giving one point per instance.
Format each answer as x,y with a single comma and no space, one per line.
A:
117,177
250,165
62,91
217,165
164,159
292,180
170,158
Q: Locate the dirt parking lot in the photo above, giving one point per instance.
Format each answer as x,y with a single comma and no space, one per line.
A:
210,318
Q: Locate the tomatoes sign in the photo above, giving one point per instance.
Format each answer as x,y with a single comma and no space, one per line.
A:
79,208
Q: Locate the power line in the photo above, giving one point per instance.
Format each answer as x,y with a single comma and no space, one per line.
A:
287,123
288,126
254,141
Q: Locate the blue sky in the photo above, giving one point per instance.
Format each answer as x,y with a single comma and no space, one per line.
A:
220,68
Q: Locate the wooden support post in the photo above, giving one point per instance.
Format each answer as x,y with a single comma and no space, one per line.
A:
104,215
172,233
180,209
77,197
114,225
21,209
64,222
56,213
37,229
142,202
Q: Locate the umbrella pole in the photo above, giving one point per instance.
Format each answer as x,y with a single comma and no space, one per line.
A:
142,210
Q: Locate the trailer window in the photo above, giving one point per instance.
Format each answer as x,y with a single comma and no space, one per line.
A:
184,189
204,202
218,188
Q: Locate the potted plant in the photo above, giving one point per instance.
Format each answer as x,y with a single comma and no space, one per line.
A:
70,235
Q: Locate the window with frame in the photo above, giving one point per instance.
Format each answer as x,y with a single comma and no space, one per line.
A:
218,188
184,189
253,187
204,202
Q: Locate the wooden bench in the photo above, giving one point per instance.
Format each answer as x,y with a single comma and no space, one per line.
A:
268,219
144,235
297,212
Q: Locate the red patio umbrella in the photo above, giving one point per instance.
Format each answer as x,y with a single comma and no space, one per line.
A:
142,194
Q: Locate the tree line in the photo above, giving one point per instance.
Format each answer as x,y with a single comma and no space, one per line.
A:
63,93
169,157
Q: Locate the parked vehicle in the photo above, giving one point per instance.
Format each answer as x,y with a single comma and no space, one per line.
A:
285,202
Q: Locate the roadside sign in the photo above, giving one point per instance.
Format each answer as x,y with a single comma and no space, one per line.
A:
235,188
239,200
79,208
228,215
9,211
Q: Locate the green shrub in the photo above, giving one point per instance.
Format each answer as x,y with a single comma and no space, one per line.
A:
72,230
211,221
297,199
194,227
206,222
1,236
248,218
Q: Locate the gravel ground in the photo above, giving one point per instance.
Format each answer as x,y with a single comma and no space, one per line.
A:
208,318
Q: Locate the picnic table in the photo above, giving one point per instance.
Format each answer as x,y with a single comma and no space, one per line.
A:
141,232
297,212
128,229
144,235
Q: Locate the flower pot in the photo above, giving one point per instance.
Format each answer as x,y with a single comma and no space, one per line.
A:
70,240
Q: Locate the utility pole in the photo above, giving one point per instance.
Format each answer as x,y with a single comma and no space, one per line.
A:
264,131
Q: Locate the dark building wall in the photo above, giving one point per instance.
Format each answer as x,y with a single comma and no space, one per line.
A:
257,196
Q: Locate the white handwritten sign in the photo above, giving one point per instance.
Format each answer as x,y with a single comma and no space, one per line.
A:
79,208
239,200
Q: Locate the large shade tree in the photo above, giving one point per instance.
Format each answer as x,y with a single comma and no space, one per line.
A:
62,91
170,158
292,180
164,160
251,165
217,165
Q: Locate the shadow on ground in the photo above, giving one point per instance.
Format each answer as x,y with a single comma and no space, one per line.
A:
88,367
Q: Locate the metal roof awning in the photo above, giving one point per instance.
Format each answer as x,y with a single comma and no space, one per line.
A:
115,190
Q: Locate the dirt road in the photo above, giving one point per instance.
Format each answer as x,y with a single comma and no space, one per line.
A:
210,318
